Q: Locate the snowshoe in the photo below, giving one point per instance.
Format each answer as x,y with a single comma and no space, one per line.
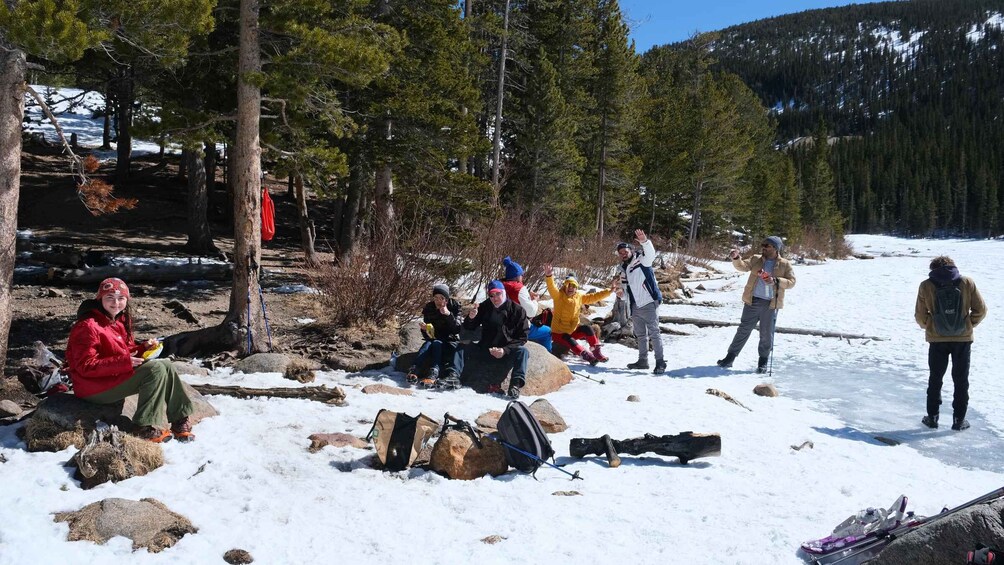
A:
449,382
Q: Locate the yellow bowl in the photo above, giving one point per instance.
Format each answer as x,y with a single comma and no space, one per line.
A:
154,352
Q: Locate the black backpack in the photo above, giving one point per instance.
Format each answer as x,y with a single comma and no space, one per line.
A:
519,431
949,318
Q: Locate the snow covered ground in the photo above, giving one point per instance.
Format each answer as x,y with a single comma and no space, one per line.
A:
261,490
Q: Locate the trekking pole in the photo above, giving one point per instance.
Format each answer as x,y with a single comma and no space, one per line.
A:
508,445
264,314
250,338
465,425
578,374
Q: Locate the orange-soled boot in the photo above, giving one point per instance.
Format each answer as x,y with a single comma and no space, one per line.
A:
182,430
151,433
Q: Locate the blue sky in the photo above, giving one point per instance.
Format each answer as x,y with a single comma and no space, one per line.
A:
656,22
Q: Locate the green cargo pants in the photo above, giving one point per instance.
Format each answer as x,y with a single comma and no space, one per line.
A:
159,387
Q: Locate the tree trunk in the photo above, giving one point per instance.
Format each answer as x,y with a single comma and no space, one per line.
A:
12,84
601,195
200,239
695,215
183,164
350,214
243,328
124,97
247,185
383,193
307,231
106,129
210,165
687,446
497,134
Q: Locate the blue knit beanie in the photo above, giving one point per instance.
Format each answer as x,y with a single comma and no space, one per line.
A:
512,269
775,241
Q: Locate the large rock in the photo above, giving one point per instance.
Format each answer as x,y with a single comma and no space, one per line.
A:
545,373
456,456
948,539
549,418
264,363
111,455
337,439
387,389
62,420
147,522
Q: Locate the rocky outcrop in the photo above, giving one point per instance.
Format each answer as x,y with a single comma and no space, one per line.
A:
63,420
948,539
545,373
147,522
458,457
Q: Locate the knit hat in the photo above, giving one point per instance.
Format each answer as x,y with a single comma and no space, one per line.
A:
775,241
441,289
496,286
112,286
512,269
570,279
623,245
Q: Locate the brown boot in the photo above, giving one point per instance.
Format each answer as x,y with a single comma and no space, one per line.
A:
182,430
150,433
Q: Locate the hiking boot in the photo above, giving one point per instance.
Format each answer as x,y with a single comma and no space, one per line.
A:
959,424
150,433
930,421
639,364
450,380
660,367
761,365
182,430
600,357
588,357
412,374
516,387
726,361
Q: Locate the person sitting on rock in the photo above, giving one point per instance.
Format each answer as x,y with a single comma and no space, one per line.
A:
565,327
441,353
106,365
504,330
518,293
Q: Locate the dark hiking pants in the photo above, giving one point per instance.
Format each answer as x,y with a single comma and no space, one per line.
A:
758,312
937,360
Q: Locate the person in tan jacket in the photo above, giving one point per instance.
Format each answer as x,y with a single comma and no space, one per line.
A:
770,276
948,308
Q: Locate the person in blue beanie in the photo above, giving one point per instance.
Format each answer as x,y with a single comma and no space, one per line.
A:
517,292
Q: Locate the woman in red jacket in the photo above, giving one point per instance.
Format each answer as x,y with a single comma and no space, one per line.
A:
106,365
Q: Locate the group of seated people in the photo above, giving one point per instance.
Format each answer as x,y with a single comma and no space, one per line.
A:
508,318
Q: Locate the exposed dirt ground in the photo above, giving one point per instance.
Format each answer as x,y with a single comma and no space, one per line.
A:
156,228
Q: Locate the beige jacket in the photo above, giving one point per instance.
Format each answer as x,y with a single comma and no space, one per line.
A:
783,275
972,302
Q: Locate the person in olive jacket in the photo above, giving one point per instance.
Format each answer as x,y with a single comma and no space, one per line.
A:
504,330
763,296
948,308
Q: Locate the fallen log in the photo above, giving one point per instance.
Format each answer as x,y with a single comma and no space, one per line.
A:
687,446
797,331
320,393
155,273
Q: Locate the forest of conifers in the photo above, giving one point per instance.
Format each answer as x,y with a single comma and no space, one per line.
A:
913,92
430,113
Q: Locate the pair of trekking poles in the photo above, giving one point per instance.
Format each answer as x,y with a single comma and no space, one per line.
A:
264,310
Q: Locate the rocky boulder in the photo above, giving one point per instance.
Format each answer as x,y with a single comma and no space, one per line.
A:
63,420
765,389
545,373
111,455
147,522
545,413
458,457
948,539
263,363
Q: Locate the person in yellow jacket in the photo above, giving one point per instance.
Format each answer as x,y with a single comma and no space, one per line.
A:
565,327
948,307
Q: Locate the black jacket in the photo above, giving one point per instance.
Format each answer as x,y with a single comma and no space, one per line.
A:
505,326
445,326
